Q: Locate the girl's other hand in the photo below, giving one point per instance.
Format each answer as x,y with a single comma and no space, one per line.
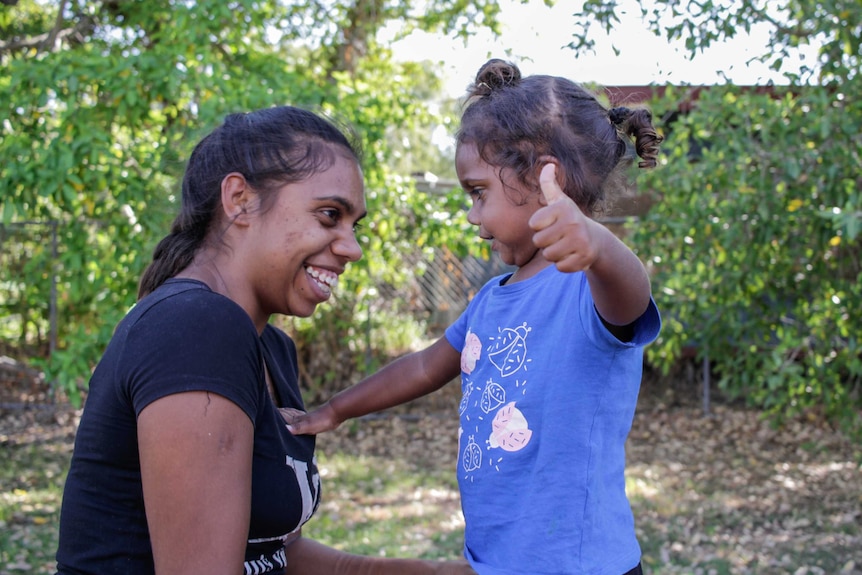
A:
316,421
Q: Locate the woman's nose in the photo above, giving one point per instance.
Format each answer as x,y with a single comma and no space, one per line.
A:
348,247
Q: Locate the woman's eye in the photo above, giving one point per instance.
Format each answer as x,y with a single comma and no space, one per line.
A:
476,194
332,215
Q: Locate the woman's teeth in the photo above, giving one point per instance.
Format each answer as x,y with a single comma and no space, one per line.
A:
326,280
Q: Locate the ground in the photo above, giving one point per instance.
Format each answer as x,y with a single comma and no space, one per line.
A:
723,493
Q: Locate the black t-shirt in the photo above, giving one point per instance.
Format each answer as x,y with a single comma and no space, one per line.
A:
183,337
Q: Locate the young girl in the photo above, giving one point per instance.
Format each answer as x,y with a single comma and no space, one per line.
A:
182,463
550,356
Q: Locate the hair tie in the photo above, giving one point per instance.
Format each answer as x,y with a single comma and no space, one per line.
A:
483,89
619,115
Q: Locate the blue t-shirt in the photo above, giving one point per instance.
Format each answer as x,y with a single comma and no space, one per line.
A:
183,337
548,398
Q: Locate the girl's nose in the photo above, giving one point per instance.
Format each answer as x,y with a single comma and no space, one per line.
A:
473,216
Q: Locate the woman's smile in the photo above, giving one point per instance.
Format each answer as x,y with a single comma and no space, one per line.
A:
322,279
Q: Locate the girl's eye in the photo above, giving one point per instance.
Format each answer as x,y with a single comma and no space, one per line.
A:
475,194
356,227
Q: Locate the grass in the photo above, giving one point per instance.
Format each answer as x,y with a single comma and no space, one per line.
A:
718,496
384,507
372,505
31,484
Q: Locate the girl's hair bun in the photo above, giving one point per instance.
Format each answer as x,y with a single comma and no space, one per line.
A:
619,115
494,75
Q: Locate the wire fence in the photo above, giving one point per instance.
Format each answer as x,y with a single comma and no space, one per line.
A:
28,309
28,258
28,262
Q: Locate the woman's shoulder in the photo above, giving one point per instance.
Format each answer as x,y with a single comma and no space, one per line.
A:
185,308
276,339
182,298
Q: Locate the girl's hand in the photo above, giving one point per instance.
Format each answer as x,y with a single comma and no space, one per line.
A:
311,423
565,235
618,280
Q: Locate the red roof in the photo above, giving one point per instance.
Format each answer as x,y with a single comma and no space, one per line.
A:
627,95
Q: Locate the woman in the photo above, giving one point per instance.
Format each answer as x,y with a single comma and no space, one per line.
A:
182,463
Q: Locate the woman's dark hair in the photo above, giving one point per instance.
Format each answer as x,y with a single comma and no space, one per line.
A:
514,121
270,148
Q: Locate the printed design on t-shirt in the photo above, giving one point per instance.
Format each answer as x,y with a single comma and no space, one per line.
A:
491,421
266,564
472,456
471,353
308,480
309,485
465,396
509,430
508,352
493,396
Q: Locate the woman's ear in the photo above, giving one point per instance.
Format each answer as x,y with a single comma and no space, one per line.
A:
559,171
236,198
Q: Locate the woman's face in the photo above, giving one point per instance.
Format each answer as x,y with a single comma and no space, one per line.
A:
299,247
500,219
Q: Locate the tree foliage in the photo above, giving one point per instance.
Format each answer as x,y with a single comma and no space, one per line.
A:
102,101
754,237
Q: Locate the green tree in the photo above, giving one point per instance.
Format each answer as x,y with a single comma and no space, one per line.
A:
754,236
101,100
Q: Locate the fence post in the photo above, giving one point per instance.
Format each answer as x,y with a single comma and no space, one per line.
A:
706,383
52,305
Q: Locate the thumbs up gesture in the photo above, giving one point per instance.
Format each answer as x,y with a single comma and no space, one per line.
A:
565,235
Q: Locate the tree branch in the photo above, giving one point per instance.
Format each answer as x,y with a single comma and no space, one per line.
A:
47,41
51,40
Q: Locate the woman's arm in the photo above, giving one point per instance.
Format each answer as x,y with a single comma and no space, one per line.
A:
196,458
403,380
308,557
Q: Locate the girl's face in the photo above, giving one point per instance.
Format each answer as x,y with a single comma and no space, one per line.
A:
500,218
297,249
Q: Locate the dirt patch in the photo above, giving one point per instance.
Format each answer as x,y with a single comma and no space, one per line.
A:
720,493
724,493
